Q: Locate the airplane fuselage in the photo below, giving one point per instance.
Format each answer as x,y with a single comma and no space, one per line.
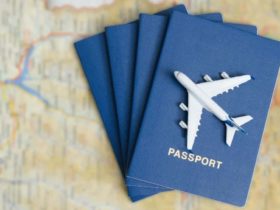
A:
206,101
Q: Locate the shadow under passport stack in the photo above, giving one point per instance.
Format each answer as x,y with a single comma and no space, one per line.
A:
197,47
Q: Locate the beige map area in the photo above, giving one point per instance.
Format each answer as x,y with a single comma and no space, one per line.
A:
54,153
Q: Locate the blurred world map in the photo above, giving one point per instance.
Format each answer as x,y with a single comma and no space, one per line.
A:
54,153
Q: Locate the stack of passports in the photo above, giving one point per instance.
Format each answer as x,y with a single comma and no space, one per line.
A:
130,71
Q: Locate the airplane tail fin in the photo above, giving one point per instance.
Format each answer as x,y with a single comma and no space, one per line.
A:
233,125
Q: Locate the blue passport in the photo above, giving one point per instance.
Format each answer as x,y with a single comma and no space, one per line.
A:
121,77
151,34
152,29
212,169
86,49
122,46
93,55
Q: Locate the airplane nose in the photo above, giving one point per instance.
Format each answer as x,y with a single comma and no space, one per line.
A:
176,73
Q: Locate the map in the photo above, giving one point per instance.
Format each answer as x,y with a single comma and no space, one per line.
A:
54,152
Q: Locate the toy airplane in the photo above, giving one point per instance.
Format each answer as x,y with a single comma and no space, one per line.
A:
200,96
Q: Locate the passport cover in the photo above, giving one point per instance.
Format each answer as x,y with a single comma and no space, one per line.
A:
123,36
85,48
122,46
125,48
93,55
196,47
151,34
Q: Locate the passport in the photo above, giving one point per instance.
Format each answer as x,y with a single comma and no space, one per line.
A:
151,34
119,37
84,49
122,45
197,47
93,55
152,29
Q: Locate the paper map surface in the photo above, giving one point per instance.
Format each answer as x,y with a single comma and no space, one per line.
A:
54,153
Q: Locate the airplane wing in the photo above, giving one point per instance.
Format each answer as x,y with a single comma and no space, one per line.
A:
194,116
214,88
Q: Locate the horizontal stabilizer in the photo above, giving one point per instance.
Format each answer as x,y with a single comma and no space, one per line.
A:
231,129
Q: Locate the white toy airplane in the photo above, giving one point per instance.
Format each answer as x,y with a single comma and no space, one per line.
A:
200,96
